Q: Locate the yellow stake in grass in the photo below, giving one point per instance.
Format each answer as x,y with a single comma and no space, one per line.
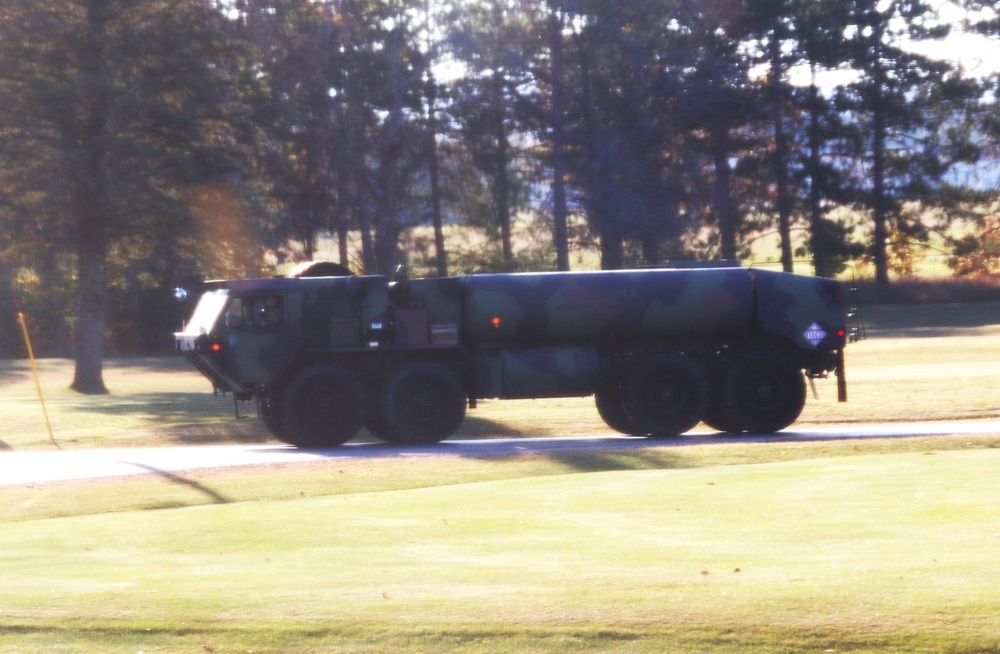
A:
38,383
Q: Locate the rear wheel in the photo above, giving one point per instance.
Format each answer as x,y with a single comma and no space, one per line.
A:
716,416
718,419
610,403
423,402
323,406
666,396
375,424
764,391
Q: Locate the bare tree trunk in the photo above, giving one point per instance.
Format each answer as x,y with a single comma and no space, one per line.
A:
92,206
342,252
723,193
501,186
389,175
784,198
879,200
879,213
11,343
88,377
387,216
608,229
341,222
818,235
560,233
433,171
367,242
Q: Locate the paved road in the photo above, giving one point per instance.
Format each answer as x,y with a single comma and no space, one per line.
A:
34,467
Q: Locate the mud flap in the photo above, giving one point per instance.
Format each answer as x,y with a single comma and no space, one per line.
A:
841,377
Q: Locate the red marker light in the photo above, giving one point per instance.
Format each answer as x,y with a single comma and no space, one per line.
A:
216,347
841,333
496,322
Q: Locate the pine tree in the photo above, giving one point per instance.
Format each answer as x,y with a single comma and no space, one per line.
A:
115,106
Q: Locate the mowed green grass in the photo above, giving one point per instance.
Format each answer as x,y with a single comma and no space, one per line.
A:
887,545
869,553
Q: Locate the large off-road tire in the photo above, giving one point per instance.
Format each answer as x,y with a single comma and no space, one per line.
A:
323,406
716,417
610,403
271,416
764,391
375,424
666,395
423,402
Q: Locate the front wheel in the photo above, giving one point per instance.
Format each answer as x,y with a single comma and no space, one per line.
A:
272,420
323,406
764,391
423,402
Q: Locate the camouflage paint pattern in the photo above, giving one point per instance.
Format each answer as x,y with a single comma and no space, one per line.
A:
440,296
810,312
266,324
528,373
602,307
527,335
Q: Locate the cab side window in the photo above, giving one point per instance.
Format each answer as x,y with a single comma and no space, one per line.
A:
269,310
234,313
251,312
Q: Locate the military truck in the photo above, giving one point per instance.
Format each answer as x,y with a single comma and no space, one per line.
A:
660,349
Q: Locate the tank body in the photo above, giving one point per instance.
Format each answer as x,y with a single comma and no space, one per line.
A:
594,308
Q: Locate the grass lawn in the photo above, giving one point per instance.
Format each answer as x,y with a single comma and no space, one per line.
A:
866,553
884,545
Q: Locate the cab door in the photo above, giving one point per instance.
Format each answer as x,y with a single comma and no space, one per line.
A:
261,338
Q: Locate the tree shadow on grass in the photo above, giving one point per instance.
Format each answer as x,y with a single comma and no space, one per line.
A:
214,496
475,428
187,418
600,453
604,452
487,440
11,376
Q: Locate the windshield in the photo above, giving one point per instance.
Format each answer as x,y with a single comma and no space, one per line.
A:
207,312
